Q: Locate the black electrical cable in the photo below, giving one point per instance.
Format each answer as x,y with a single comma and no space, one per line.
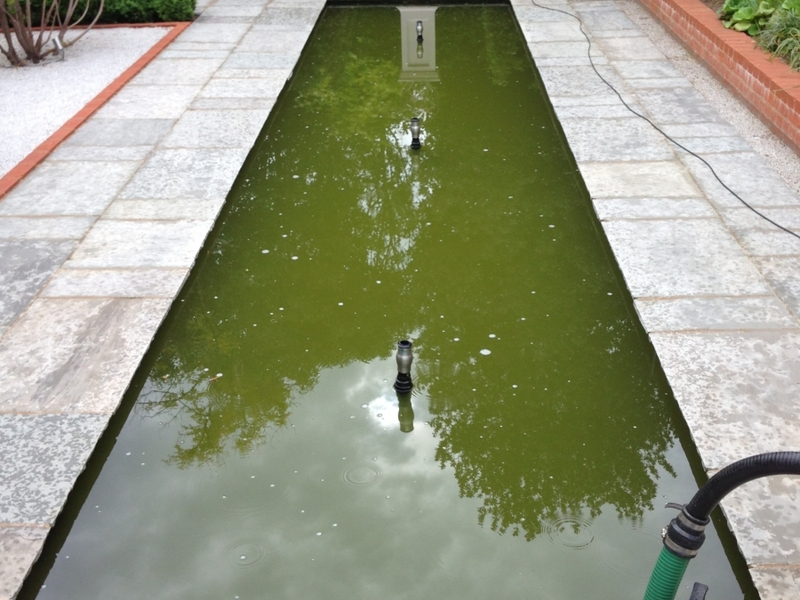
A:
654,126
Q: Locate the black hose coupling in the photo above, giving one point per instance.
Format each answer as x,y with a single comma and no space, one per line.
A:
685,534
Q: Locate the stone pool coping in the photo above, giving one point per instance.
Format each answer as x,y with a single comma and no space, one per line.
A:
105,231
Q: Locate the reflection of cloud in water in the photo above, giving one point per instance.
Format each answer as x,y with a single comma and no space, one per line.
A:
286,508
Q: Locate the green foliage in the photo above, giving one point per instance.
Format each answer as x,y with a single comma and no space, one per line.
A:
792,6
747,15
133,11
781,36
775,24
148,11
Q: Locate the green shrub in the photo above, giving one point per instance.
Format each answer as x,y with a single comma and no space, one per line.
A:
147,11
775,24
781,36
132,11
747,15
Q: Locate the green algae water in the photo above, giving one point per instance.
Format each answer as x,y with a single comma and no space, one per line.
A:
265,453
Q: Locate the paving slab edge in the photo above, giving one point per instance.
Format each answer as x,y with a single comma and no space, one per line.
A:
43,150
768,85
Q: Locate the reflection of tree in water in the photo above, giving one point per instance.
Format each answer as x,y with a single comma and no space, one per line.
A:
338,241
367,111
214,410
550,440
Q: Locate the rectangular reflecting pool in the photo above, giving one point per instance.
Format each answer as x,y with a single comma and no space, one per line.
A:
262,452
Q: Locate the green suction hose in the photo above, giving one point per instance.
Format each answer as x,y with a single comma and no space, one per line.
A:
684,536
666,577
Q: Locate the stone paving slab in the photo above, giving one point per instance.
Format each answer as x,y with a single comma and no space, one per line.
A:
609,209
159,209
120,132
772,536
177,71
782,584
289,19
26,267
19,548
715,313
783,274
666,179
59,188
44,228
116,283
152,101
757,184
213,172
677,257
216,129
142,244
627,139
75,355
260,60
49,452
100,153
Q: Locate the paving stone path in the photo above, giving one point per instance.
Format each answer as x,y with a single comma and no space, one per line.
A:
96,243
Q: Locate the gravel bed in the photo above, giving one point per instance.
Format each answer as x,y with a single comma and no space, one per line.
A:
39,99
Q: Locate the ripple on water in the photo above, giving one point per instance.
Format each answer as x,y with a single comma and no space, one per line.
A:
260,499
572,532
247,553
362,475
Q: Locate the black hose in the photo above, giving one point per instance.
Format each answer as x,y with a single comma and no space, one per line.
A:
734,475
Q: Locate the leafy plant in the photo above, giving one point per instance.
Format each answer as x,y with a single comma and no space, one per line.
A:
20,20
781,36
775,23
134,11
747,15
792,6
148,11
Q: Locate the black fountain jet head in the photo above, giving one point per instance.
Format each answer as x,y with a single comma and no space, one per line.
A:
403,384
415,131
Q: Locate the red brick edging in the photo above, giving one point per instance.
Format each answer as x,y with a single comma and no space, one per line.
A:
769,86
15,175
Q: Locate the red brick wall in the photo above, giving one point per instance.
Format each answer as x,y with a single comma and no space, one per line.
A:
770,87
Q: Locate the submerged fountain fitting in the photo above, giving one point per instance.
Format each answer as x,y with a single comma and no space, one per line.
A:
684,535
403,384
415,131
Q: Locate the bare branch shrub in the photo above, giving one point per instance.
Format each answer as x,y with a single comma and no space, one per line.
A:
28,27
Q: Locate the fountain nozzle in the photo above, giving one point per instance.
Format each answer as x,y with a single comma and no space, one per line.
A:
403,384
415,130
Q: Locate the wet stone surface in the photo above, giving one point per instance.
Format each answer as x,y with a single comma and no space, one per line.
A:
49,452
19,548
27,265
